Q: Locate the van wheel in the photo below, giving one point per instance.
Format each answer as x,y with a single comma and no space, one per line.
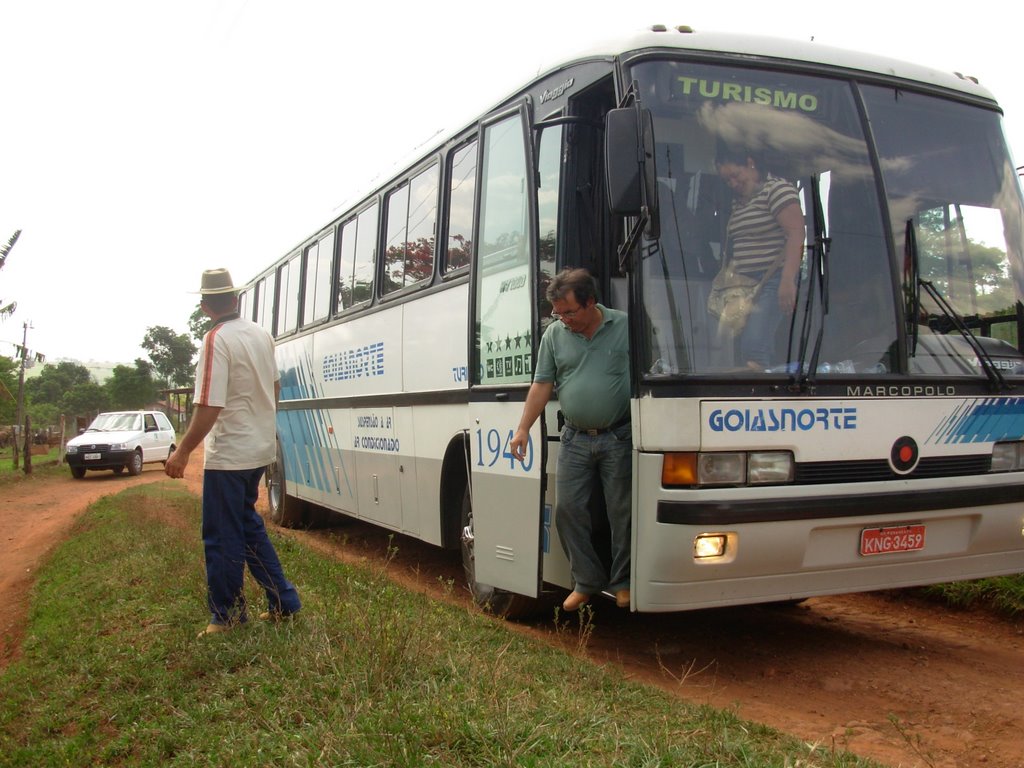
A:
134,465
500,602
286,511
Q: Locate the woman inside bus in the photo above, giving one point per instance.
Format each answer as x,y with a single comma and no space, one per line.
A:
765,242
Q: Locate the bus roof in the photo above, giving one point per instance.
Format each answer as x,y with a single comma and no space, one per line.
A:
785,50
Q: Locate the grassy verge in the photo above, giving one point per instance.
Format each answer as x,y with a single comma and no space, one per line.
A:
1003,595
43,465
368,675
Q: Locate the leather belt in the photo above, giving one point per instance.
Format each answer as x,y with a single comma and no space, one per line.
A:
594,432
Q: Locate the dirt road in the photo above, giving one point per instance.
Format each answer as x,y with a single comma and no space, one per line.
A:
900,681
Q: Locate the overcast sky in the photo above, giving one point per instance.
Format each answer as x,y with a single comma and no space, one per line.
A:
143,142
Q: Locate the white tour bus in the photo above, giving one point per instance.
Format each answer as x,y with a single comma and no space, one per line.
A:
881,447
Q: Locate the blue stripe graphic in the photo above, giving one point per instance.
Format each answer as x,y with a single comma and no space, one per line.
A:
984,421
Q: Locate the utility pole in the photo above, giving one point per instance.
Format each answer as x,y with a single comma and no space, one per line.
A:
18,426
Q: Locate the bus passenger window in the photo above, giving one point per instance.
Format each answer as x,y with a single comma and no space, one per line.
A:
461,198
319,258
288,297
263,314
355,257
244,309
411,219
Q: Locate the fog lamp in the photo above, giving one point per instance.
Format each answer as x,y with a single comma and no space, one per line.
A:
709,545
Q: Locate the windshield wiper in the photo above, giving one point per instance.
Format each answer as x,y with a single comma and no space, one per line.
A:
818,274
984,359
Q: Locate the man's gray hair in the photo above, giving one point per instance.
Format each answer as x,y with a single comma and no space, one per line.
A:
577,281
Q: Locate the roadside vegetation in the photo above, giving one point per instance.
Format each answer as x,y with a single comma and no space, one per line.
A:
369,674
43,466
1003,595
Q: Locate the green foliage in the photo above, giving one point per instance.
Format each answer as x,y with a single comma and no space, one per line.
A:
199,323
8,390
1004,594
171,354
7,309
368,674
131,388
67,388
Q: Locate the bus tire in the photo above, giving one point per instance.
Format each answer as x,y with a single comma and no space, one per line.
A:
285,511
500,602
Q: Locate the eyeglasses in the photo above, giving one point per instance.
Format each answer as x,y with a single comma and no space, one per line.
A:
567,315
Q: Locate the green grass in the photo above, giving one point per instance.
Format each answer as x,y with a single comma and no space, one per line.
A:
45,465
1003,594
369,674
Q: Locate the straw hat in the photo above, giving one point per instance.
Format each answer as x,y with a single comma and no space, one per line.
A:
216,281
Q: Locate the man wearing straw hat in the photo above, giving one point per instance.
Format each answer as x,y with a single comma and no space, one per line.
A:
234,411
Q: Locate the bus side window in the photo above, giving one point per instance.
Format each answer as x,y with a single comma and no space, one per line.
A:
461,194
317,293
355,259
288,295
265,302
411,220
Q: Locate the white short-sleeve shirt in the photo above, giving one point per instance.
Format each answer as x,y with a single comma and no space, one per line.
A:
237,372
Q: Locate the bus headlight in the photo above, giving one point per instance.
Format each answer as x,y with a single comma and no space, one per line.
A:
692,470
1007,457
770,467
721,468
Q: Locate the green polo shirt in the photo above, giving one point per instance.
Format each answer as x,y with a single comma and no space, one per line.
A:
592,375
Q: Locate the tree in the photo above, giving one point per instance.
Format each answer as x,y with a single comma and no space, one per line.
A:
171,354
66,388
85,399
8,390
55,380
8,309
199,323
131,388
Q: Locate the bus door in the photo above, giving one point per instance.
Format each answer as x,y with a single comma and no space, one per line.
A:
506,493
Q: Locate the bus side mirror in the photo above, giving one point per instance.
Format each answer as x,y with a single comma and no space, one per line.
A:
630,174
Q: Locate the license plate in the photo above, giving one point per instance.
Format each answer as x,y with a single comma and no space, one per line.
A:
884,541
93,456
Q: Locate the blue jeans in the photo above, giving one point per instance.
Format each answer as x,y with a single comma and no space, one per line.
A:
234,536
582,459
757,339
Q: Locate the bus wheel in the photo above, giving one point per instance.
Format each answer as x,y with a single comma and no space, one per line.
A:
286,511
500,602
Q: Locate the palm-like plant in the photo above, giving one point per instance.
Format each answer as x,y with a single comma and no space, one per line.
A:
8,309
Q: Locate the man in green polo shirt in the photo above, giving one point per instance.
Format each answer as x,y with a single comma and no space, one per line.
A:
587,356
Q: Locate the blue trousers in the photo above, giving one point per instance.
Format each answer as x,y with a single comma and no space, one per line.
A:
234,536
757,340
582,459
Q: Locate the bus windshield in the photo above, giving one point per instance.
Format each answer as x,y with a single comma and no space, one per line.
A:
768,178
